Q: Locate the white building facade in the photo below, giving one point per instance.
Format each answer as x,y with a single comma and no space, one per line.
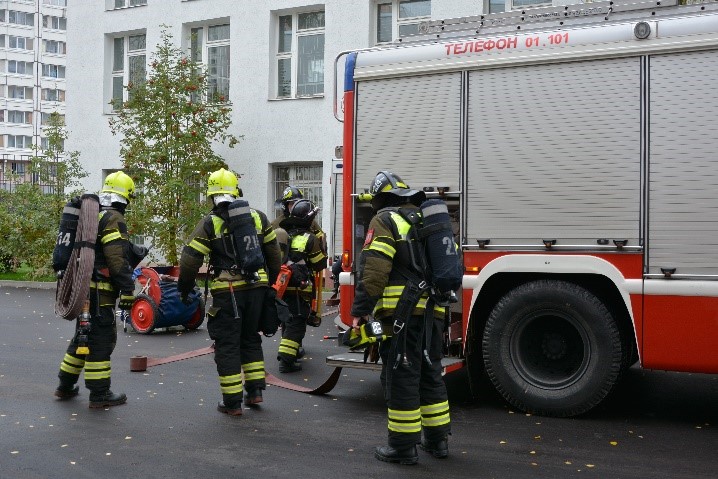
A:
272,59
33,54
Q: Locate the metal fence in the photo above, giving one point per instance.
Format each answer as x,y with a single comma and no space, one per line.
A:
15,170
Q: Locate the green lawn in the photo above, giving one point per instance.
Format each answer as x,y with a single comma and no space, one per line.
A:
23,274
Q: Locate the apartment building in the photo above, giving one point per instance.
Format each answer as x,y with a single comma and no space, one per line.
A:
273,60
33,54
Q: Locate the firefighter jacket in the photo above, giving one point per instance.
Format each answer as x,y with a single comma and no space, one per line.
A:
314,228
208,238
303,252
379,283
112,270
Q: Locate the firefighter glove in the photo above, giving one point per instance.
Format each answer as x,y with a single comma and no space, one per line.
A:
126,301
369,333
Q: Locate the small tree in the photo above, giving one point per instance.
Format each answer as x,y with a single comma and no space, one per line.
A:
30,213
167,129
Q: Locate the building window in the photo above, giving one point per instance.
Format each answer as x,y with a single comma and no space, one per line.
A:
305,176
19,67
22,43
52,94
128,66
57,3
19,141
54,46
53,71
20,117
54,23
399,18
210,45
128,3
21,18
19,92
45,117
300,55
2,118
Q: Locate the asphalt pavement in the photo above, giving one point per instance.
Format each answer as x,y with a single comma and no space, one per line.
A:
656,425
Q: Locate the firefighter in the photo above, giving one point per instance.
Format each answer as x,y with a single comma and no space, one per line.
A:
290,196
413,387
302,251
238,299
112,276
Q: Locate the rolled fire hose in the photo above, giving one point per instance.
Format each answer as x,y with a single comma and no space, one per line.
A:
73,288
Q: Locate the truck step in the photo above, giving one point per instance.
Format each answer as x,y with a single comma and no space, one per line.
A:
356,361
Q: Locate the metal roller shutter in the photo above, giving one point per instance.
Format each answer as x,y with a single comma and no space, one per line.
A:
410,126
683,195
554,153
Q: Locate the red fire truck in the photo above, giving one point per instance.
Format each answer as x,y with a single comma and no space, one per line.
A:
576,149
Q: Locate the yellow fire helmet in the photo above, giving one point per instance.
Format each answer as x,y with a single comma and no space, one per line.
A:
223,182
120,183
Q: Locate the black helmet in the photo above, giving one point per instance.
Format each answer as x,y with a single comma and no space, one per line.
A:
290,194
387,184
301,214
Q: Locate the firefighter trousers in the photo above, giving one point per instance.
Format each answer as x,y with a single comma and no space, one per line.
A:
102,339
237,343
417,398
295,328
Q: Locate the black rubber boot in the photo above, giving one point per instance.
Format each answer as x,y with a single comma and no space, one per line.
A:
106,399
67,391
233,410
287,366
253,398
407,456
439,449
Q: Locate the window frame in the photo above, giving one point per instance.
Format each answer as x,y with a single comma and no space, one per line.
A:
396,21
293,54
26,117
25,15
51,20
311,188
124,73
204,45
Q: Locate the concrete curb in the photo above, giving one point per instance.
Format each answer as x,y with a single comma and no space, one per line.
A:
28,284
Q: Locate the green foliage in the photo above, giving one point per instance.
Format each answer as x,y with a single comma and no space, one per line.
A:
30,213
167,128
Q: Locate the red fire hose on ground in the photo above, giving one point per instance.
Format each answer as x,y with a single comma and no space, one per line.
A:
141,363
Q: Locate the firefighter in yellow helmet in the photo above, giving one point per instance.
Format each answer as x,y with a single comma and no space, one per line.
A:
112,277
238,299
414,389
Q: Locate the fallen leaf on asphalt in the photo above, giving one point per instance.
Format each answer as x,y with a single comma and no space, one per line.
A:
532,452
350,450
568,463
64,445
537,437
108,454
128,437
590,465
534,464
614,443
14,452
502,442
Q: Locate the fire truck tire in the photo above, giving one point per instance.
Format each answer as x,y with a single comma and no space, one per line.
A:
143,314
552,348
197,318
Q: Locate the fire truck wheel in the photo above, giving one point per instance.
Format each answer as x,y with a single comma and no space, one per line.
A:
197,318
553,348
143,314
